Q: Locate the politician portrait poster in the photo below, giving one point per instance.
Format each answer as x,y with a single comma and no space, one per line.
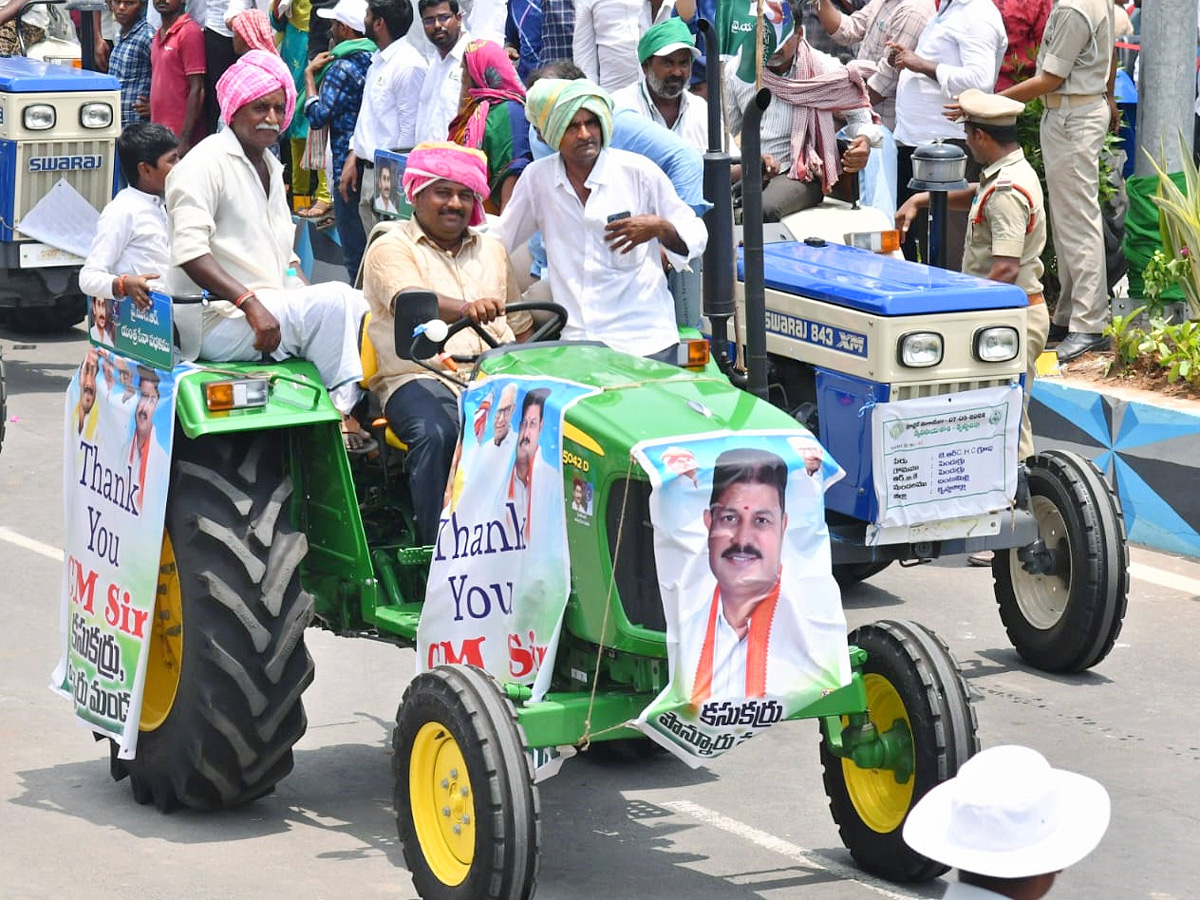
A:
755,629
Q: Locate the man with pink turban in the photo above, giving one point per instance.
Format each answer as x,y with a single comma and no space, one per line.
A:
231,235
436,250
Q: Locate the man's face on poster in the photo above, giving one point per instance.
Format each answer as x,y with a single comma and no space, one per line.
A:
577,494
745,536
100,313
504,411
147,401
87,383
527,437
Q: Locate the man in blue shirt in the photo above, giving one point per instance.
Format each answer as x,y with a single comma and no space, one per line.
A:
539,32
333,83
129,61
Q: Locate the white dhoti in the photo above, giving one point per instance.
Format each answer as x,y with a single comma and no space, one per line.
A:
319,323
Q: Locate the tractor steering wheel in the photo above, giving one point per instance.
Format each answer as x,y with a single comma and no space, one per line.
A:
550,327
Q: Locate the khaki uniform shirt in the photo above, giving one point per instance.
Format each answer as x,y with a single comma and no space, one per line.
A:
1077,45
406,257
1005,220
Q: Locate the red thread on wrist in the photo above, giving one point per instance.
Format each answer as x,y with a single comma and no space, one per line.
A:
121,286
243,298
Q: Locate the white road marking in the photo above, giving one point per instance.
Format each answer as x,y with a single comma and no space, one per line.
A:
25,543
1163,578
793,852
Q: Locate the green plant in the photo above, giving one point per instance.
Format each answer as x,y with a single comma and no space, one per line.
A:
1179,221
1182,357
1161,274
1126,336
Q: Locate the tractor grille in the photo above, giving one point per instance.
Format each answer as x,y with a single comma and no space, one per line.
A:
94,184
936,389
635,572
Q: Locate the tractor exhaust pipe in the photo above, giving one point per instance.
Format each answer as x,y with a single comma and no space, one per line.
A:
752,244
718,255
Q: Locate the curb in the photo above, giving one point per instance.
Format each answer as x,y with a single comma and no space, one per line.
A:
1150,452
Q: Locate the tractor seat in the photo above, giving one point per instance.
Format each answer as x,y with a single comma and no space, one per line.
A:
370,365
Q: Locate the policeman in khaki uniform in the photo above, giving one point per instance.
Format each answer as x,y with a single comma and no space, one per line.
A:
1075,69
1006,225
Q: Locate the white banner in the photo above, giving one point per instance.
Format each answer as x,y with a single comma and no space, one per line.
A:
945,457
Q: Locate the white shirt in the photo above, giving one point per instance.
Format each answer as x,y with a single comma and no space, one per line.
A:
968,40
440,92
606,38
691,124
131,239
485,20
216,204
776,128
214,17
391,96
620,299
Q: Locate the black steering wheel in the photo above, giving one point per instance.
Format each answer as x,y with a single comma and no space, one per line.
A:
547,329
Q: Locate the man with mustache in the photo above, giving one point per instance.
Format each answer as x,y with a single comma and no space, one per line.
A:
607,217
85,410
666,53
730,645
145,452
231,234
442,21
436,250
530,472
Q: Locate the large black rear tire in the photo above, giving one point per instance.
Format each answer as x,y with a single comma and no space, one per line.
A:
910,675
228,676
467,809
1067,619
848,574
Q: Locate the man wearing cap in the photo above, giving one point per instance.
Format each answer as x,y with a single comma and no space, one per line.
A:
436,250
666,53
231,234
1009,823
607,217
333,86
1006,225
607,31
1076,66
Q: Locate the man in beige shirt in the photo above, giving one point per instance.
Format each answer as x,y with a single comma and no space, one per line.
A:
1006,228
437,251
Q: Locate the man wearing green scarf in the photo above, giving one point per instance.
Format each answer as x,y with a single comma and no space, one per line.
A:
333,84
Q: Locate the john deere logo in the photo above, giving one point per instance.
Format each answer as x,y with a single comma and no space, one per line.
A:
64,163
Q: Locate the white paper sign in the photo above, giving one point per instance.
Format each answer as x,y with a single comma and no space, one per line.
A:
944,457
64,219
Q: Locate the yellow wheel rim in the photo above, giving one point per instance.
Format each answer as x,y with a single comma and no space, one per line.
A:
165,653
442,803
881,801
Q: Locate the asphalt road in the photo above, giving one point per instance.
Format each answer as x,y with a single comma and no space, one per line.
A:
754,825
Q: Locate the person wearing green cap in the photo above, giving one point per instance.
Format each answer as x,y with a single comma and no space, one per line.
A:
666,53
607,32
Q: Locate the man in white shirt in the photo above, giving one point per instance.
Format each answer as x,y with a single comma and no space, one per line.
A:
961,47
666,53
231,234
440,93
532,483
391,96
608,218
130,248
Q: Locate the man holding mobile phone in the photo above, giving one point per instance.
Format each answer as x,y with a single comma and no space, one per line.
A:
605,215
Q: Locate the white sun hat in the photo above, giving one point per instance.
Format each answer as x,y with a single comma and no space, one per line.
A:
352,13
1008,814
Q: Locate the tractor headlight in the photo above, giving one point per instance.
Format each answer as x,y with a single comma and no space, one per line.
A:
39,117
920,349
95,115
997,344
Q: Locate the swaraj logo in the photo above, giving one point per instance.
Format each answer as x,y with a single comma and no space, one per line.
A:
64,163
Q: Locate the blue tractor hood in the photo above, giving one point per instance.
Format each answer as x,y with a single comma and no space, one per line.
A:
873,283
19,75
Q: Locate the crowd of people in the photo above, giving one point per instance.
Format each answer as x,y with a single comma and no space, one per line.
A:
581,125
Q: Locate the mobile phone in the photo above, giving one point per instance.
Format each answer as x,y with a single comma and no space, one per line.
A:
616,217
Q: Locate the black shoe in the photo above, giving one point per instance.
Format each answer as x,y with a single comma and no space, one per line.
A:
1056,334
1078,343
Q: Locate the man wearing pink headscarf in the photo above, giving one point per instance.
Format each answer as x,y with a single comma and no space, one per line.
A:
231,235
436,250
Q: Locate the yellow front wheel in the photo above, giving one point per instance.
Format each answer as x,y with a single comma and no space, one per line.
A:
466,805
913,685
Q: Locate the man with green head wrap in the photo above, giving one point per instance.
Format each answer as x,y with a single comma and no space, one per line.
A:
609,219
666,53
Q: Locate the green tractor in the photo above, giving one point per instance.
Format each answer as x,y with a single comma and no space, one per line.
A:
272,528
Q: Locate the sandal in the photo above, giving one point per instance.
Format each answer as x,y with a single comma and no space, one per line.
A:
357,441
325,222
318,210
